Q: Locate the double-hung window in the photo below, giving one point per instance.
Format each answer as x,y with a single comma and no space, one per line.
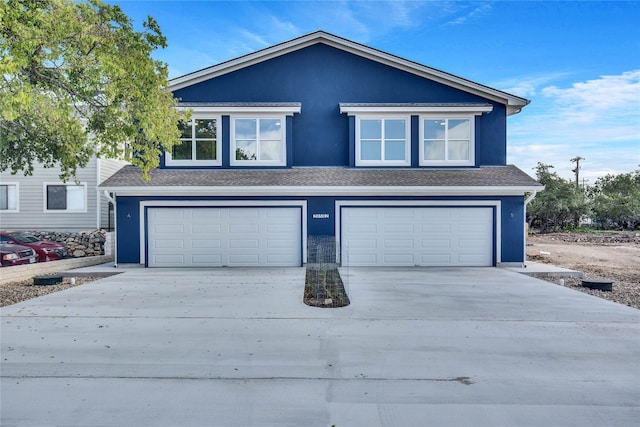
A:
258,141
383,141
199,143
9,197
65,197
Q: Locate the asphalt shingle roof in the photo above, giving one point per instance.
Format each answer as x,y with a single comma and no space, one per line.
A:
496,176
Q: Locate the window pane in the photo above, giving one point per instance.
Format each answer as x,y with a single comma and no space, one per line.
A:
434,129
245,129
270,150
394,150
458,150
270,129
4,197
459,129
182,151
434,150
370,129
370,150
12,197
205,150
185,129
75,197
205,128
395,129
56,197
246,150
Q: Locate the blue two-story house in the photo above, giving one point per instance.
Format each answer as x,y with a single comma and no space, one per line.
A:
403,164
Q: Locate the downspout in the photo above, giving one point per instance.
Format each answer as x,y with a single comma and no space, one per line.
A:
98,202
524,244
115,228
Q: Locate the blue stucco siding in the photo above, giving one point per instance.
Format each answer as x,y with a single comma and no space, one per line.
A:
320,219
321,77
513,229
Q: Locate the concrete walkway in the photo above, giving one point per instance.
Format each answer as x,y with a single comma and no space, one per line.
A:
237,347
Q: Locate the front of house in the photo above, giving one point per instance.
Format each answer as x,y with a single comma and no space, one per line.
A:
403,164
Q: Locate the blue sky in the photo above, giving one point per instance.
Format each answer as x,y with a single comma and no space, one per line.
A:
578,62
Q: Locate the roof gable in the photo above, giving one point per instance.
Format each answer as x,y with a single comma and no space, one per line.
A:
513,103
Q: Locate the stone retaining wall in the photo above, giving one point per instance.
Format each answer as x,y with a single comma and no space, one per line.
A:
82,244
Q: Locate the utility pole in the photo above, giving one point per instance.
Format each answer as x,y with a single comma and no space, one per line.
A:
576,160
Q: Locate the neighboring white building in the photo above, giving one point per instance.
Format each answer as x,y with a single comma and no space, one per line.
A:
43,202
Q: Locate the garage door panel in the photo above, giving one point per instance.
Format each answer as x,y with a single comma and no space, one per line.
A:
435,244
429,236
168,244
398,228
206,259
435,260
205,244
399,259
277,243
250,260
215,237
362,243
397,243
170,259
244,243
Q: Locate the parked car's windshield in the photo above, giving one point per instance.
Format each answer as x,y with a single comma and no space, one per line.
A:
24,237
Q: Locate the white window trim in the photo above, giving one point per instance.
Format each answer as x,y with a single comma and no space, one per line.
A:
232,141
17,186
61,211
472,140
217,162
407,146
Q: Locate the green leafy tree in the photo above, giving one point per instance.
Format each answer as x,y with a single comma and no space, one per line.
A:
76,80
616,201
559,206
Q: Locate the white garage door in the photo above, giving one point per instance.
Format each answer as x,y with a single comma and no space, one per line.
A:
417,236
224,237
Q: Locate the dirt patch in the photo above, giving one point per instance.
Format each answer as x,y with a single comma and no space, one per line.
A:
323,287
15,292
607,256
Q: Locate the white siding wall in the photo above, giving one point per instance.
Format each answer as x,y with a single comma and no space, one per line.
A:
32,201
107,168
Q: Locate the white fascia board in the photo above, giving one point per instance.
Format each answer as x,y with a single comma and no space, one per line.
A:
290,191
514,103
286,110
352,110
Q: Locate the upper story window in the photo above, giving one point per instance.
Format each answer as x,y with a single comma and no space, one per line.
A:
200,146
258,141
382,141
447,141
446,132
65,197
9,197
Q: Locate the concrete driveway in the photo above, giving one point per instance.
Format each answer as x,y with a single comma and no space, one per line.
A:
237,347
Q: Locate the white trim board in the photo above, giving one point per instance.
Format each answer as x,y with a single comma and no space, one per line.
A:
300,191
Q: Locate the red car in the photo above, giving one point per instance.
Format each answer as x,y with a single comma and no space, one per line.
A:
16,255
48,251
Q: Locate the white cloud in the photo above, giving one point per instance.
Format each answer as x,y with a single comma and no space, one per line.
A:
597,119
475,13
528,86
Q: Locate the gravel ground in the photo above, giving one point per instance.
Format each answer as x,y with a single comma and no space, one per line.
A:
12,293
609,256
